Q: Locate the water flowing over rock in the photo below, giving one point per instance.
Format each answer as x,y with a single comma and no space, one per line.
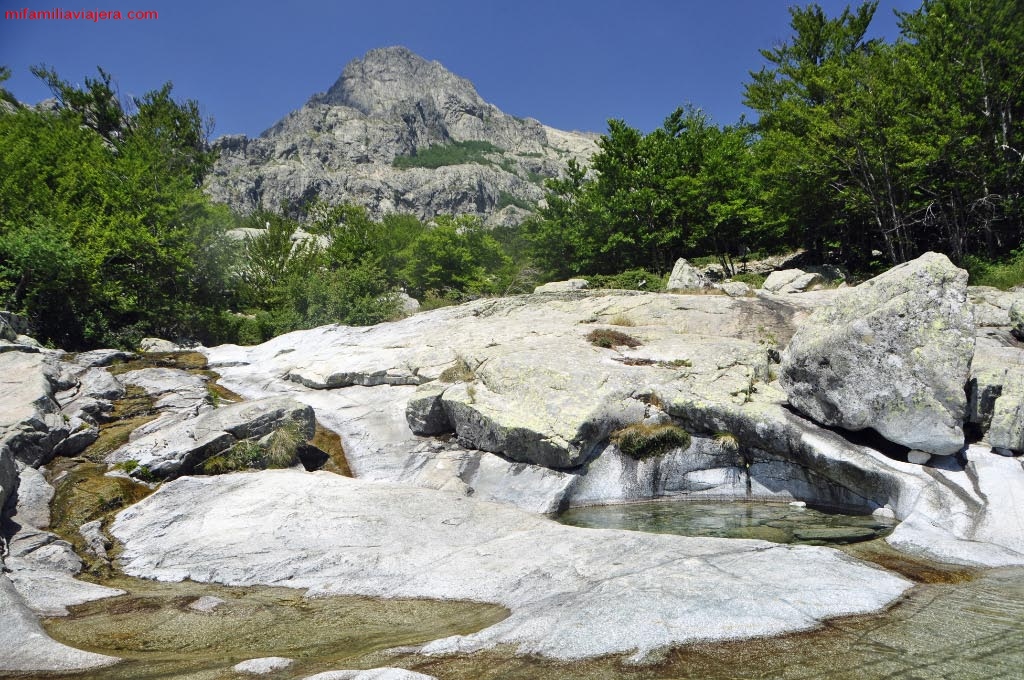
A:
392,103
893,354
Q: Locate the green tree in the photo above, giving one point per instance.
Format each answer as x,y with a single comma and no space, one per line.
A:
456,255
122,192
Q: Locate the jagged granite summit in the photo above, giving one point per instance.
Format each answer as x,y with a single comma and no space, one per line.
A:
341,146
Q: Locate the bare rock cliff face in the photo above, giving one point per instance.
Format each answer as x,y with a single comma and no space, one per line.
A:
341,146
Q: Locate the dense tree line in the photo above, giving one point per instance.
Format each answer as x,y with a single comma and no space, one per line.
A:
861,147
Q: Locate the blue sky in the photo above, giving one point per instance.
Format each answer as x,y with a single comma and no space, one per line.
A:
570,64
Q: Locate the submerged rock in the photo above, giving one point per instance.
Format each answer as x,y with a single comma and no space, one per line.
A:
263,666
372,674
892,354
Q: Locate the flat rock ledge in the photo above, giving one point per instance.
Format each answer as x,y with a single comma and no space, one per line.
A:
572,593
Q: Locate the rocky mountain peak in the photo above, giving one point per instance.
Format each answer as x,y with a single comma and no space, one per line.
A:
377,138
394,79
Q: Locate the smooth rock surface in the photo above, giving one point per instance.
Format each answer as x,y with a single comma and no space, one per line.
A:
704,359
158,345
893,354
573,593
562,286
30,422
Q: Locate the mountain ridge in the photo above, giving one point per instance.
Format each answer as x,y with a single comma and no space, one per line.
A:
342,144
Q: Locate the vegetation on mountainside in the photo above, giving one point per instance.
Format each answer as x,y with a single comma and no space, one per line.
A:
455,153
865,153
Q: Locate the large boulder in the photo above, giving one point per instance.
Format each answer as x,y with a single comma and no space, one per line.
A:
685,276
31,425
893,354
1017,318
562,286
177,449
792,281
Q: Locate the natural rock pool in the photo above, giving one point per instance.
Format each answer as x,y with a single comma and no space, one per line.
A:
964,629
776,522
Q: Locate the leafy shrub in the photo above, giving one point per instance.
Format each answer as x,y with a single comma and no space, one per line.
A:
643,441
457,153
607,338
632,279
751,279
1003,275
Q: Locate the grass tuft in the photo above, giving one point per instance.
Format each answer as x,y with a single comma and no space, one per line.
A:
608,338
644,441
457,372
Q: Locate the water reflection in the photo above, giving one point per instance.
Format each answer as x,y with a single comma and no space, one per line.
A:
780,523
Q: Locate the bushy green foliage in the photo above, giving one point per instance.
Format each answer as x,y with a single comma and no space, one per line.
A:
688,187
861,147
631,279
456,153
457,254
1003,274
750,278
506,199
644,441
105,235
